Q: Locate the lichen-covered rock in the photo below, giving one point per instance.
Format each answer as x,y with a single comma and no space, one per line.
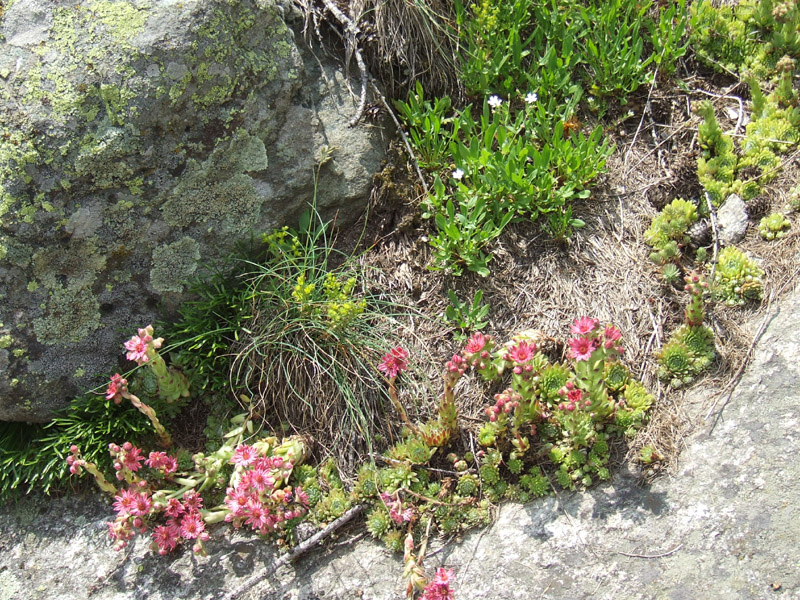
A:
139,140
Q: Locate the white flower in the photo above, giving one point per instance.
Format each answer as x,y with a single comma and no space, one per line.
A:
458,174
495,101
531,97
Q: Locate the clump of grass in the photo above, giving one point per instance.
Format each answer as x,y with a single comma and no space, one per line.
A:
306,354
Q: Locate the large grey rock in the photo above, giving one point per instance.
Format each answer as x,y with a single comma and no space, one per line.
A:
724,527
139,140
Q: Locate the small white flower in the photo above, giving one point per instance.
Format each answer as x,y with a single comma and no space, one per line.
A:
458,174
495,101
531,97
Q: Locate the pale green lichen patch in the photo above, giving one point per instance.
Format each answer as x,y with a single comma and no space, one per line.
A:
70,316
173,264
219,192
73,267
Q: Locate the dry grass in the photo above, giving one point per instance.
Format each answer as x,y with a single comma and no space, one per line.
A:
604,272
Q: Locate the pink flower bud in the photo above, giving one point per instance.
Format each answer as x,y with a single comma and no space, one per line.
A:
73,449
493,418
569,385
517,370
127,446
484,354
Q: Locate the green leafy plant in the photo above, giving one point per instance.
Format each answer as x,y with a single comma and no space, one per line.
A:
774,226
690,349
668,231
431,126
32,456
716,166
749,38
467,316
737,278
505,173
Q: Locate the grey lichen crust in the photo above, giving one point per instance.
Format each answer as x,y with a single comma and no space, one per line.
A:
134,143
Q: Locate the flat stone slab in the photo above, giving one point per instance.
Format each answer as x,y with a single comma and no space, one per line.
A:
726,526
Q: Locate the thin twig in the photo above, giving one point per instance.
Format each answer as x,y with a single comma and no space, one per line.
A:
296,552
662,555
729,97
646,107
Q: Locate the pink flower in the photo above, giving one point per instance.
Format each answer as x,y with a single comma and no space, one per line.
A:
161,460
116,388
257,516
137,348
192,525
131,458
475,344
261,479
301,497
574,395
244,455
166,538
236,501
581,348
522,352
124,503
192,501
583,325
174,508
394,362
141,505
439,588
612,334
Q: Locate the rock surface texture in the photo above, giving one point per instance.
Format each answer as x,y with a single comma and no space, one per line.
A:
139,140
725,527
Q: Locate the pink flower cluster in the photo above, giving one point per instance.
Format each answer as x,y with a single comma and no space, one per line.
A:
161,461
139,345
184,522
590,338
258,499
439,587
574,397
135,507
127,457
477,351
394,362
394,505
117,388
505,403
